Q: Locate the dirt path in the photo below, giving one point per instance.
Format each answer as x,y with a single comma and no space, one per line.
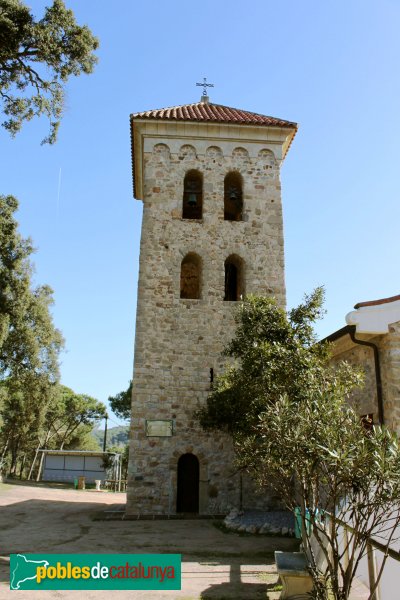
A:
215,564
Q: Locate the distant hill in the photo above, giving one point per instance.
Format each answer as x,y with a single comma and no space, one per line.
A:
116,436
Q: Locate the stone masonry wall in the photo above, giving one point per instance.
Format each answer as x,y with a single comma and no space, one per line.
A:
364,400
178,341
389,352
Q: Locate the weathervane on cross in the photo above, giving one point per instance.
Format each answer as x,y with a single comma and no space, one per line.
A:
205,85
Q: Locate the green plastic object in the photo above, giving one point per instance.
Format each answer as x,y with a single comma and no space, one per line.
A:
75,483
298,522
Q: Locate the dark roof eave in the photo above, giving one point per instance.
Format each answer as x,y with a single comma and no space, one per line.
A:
336,335
377,302
278,125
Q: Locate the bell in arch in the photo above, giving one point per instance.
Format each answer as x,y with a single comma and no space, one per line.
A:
192,199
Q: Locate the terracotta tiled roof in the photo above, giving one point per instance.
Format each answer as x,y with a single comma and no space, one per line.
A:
217,113
205,112
377,302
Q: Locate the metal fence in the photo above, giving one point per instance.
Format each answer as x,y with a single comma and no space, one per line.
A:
370,566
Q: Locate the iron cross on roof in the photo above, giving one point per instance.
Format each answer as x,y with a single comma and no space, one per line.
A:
205,85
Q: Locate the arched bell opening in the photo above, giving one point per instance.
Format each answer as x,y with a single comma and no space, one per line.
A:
192,203
233,197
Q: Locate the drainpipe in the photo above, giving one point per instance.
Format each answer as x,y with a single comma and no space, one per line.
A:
352,332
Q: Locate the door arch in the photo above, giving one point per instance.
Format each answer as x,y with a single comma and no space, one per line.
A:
187,497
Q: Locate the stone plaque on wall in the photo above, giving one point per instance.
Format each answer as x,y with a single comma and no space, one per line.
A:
159,428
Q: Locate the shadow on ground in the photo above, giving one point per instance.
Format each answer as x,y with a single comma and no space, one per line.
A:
238,587
214,564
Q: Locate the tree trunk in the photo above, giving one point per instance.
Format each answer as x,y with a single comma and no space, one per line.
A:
33,463
37,452
14,457
68,433
40,467
21,467
4,452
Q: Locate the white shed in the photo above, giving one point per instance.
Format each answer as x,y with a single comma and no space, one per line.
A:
68,465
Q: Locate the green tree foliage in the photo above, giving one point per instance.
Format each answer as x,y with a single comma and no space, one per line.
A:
121,403
29,342
123,451
75,412
82,439
37,57
39,414
116,436
316,453
272,353
293,429
69,419
35,411
25,400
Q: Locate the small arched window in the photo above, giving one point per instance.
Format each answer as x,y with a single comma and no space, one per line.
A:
233,197
192,206
191,276
234,281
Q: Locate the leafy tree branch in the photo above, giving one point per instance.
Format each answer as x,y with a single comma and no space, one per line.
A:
294,429
37,57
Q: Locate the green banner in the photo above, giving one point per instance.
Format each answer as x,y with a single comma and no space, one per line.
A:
95,572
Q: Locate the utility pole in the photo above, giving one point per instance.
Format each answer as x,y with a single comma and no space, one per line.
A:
105,434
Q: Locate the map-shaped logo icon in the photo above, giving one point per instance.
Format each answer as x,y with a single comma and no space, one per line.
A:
24,570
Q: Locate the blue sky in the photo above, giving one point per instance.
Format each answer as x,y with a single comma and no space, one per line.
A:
331,67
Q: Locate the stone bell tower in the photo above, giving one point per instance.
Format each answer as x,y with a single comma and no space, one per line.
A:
208,176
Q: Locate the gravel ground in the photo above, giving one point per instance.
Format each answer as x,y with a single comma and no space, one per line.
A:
275,522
